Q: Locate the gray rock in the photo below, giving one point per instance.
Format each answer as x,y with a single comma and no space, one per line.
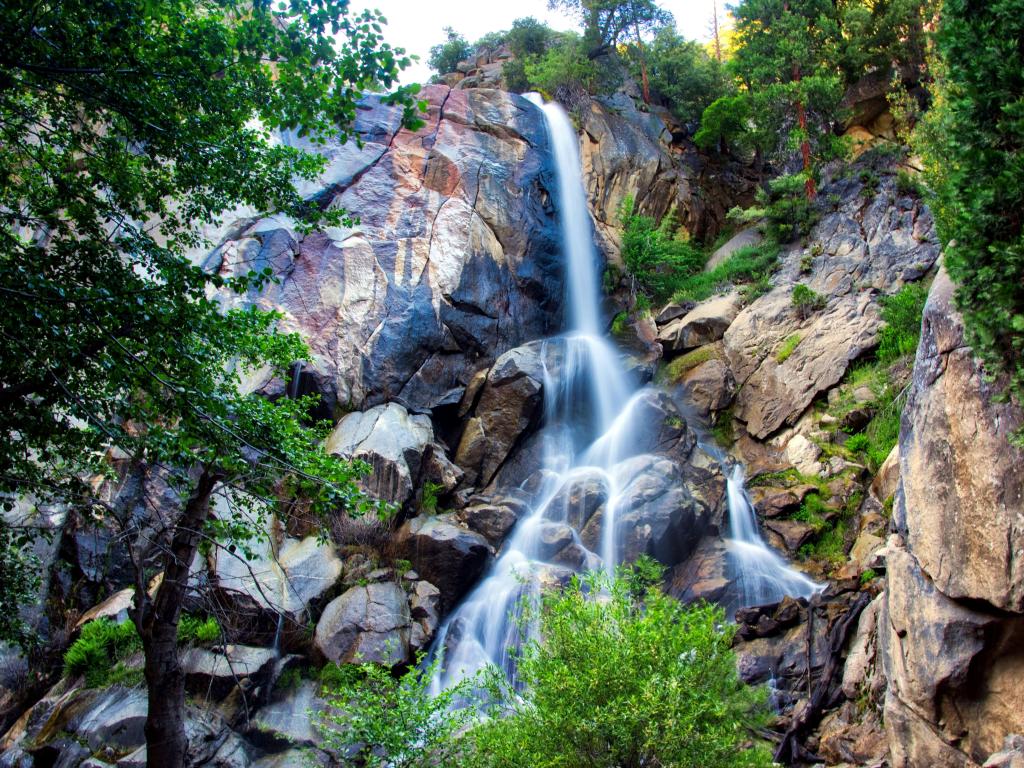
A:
366,624
214,674
704,324
447,555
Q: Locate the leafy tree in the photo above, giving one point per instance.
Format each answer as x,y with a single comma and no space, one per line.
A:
684,74
125,128
656,258
565,68
973,144
725,120
879,36
528,37
609,23
784,58
445,57
629,678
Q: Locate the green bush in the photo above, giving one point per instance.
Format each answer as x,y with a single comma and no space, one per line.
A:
857,443
684,74
724,120
444,57
751,265
99,646
565,65
806,301
392,722
429,500
655,257
787,348
617,681
198,630
902,315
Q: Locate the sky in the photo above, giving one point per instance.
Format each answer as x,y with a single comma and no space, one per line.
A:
418,24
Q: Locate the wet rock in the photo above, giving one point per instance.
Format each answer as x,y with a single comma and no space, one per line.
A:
508,403
702,576
447,555
425,610
709,387
286,718
552,538
578,500
705,324
369,624
213,673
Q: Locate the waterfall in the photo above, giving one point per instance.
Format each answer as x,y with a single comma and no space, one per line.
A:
760,576
590,428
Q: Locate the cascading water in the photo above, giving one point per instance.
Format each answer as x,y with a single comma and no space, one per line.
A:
760,576
590,429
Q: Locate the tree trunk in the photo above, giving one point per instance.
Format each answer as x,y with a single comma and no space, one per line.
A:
166,742
805,145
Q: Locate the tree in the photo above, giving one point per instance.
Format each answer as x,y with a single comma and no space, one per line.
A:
623,675
973,144
125,127
607,23
684,74
445,57
784,58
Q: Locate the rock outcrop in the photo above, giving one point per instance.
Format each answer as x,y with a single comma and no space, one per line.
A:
952,621
454,259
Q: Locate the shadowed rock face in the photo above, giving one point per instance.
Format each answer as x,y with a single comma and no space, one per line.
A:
952,622
454,260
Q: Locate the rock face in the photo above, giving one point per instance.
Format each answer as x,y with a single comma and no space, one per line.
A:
454,259
856,252
704,324
952,623
445,554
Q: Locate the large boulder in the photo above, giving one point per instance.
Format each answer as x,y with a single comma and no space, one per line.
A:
398,446
952,624
503,406
444,553
455,235
369,623
704,324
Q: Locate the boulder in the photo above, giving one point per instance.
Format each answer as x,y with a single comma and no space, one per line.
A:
883,485
745,238
508,402
709,387
444,553
392,441
368,623
425,610
867,249
704,324
286,719
804,455
702,576
213,673
791,534
583,494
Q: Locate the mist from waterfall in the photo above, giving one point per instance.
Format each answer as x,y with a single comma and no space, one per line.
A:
589,430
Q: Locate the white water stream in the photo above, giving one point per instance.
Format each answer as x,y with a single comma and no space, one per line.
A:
589,429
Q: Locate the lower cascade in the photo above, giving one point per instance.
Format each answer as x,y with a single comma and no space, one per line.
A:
596,438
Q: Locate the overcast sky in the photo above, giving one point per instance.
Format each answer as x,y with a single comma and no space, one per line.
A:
418,24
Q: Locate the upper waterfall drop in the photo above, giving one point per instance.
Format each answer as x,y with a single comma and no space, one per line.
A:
577,235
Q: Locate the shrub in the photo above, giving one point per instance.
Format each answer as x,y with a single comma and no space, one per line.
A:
618,681
806,301
684,74
907,183
429,499
724,121
392,722
565,66
656,258
197,630
100,644
752,264
787,348
857,443
902,315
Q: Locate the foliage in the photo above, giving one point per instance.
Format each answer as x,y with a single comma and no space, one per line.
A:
747,265
429,498
902,315
100,643
528,37
806,301
684,75
788,346
972,141
614,681
868,576
675,370
907,183
19,582
445,56
196,630
396,722
607,23
565,65
655,256
620,324
727,120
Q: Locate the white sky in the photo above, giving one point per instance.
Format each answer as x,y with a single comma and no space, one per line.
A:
418,24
